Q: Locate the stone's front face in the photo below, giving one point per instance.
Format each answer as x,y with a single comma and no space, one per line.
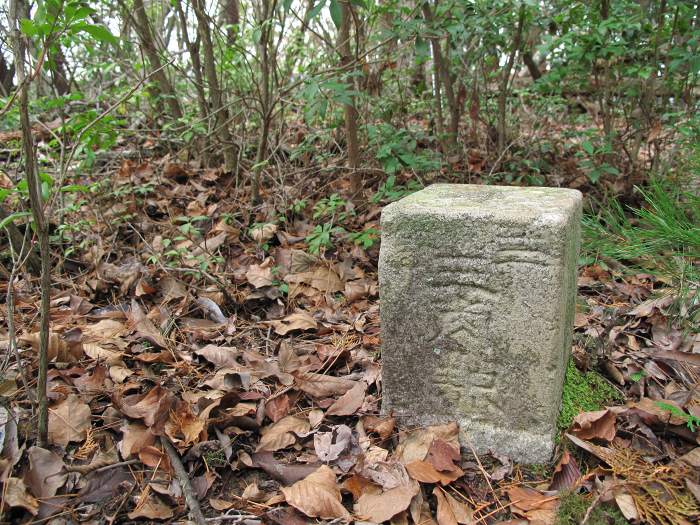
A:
477,288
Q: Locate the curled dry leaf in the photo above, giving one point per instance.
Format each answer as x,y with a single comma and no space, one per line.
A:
260,275
143,326
380,507
566,473
317,495
443,455
263,232
425,473
153,407
321,385
183,427
528,499
285,473
414,445
59,350
223,356
384,426
350,402
282,434
155,458
277,407
330,445
135,436
299,320
16,495
627,506
151,507
45,475
450,511
595,425
666,410
69,420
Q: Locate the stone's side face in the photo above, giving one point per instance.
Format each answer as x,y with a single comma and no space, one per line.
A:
477,287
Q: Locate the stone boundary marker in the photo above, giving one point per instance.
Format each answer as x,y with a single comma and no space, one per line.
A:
477,287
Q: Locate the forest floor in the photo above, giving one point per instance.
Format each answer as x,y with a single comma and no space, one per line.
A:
177,318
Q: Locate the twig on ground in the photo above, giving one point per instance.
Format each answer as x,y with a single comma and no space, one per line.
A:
181,473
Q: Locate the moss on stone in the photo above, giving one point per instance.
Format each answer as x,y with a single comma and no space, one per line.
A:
573,507
584,392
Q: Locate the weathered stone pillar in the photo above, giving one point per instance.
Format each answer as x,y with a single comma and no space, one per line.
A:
477,287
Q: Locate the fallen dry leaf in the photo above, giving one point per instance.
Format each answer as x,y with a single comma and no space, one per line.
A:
414,445
299,320
151,507
277,407
527,499
285,473
152,407
450,511
223,356
16,495
183,427
350,402
384,426
321,385
59,350
443,455
627,506
46,473
69,420
425,473
283,433
260,275
317,495
566,473
383,506
330,445
143,326
595,425
135,436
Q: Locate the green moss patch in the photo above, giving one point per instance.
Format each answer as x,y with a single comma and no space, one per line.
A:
573,507
584,392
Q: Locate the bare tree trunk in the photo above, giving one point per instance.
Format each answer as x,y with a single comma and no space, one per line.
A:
505,80
57,60
232,16
347,65
438,80
40,222
265,96
7,72
193,50
148,43
531,65
215,97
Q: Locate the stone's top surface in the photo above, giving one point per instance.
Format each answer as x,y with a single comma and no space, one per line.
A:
510,202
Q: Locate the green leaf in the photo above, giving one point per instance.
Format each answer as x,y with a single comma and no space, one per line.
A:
588,147
12,217
99,33
336,13
316,9
28,27
287,4
75,188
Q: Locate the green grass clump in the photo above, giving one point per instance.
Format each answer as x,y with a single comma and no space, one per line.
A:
573,507
584,392
661,237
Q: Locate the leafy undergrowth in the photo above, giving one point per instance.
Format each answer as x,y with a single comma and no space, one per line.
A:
178,320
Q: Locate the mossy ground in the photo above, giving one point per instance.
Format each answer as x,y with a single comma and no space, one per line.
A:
573,507
584,392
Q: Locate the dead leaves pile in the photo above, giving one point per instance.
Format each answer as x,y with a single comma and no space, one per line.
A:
262,371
